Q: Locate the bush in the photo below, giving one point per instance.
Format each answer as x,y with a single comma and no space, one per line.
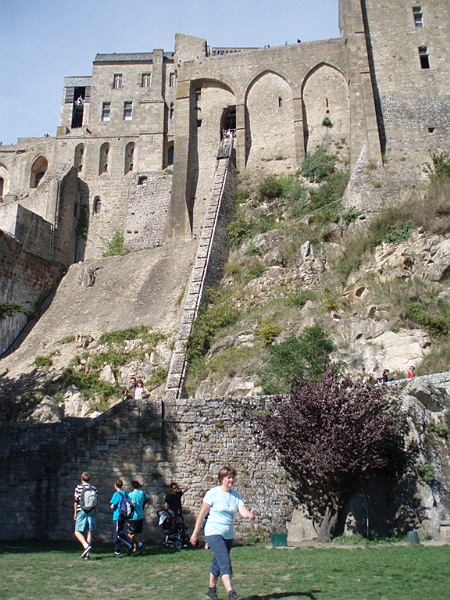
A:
435,325
270,188
239,230
306,356
115,246
318,165
43,361
425,472
439,168
89,384
268,331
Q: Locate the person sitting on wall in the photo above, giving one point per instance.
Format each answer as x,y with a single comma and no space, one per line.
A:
141,392
411,372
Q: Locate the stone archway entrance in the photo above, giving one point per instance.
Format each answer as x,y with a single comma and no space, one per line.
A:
228,120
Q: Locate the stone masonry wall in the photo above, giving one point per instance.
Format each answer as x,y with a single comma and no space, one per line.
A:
24,277
154,443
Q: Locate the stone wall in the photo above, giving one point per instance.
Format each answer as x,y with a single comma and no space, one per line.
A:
155,443
24,278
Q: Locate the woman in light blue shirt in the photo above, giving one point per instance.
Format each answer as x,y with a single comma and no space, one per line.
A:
222,503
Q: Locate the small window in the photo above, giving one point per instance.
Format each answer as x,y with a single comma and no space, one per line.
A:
97,205
146,80
79,157
127,111
171,109
103,159
142,180
106,111
117,81
198,96
424,58
171,79
280,101
431,129
2,185
418,16
129,157
199,122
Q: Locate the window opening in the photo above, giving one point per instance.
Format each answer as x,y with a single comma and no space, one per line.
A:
2,185
171,110
418,16
280,101
97,205
79,157
199,122
198,96
142,180
146,80
75,209
431,129
129,157
171,79
106,111
117,81
170,155
38,171
79,97
104,158
127,111
424,58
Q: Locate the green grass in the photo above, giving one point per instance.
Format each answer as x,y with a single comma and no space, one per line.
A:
55,571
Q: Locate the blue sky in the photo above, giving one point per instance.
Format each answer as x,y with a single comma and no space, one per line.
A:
45,41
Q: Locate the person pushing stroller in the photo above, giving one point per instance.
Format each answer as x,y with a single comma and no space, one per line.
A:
173,504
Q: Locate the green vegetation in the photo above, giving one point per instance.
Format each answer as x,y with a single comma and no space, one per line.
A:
268,331
7,310
439,168
43,361
425,472
115,246
439,428
318,165
306,356
90,385
368,571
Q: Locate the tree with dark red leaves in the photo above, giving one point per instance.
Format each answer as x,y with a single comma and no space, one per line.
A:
330,436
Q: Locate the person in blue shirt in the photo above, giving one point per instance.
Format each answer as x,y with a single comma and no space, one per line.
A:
136,523
222,503
120,536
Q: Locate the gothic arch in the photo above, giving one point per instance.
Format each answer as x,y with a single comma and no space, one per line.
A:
269,119
38,171
326,107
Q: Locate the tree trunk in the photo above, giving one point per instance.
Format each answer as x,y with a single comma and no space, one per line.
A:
328,524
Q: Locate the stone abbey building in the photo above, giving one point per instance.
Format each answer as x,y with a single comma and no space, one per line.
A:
137,141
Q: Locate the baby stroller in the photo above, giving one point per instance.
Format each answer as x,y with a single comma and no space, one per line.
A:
175,531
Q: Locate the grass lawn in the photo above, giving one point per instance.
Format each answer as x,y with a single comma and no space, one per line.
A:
55,571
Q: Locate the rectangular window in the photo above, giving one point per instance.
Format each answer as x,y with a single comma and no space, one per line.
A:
418,16
171,79
127,111
106,111
171,111
198,96
424,58
146,80
117,81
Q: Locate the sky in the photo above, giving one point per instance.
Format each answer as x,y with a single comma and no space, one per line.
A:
44,41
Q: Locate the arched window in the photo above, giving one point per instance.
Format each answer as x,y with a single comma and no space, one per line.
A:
2,185
4,181
129,157
170,154
104,158
38,171
97,205
79,157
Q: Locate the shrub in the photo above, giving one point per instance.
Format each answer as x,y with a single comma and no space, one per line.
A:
318,165
89,384
239,230
268,331
270,188
439,168
306,356
158,378
115,246
439,428
43,361
241,195
435,325
425,472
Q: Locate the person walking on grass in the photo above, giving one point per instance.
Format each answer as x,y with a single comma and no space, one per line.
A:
222,503
84,512
136,523
120,536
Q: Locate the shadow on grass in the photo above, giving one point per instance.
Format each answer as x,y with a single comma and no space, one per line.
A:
285,595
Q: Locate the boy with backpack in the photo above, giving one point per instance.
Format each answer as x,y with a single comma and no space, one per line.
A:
84,511
122,508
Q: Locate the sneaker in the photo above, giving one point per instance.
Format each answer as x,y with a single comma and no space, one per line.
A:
130,551
117,553
233,596
141,549
212,594
87,557
86,551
